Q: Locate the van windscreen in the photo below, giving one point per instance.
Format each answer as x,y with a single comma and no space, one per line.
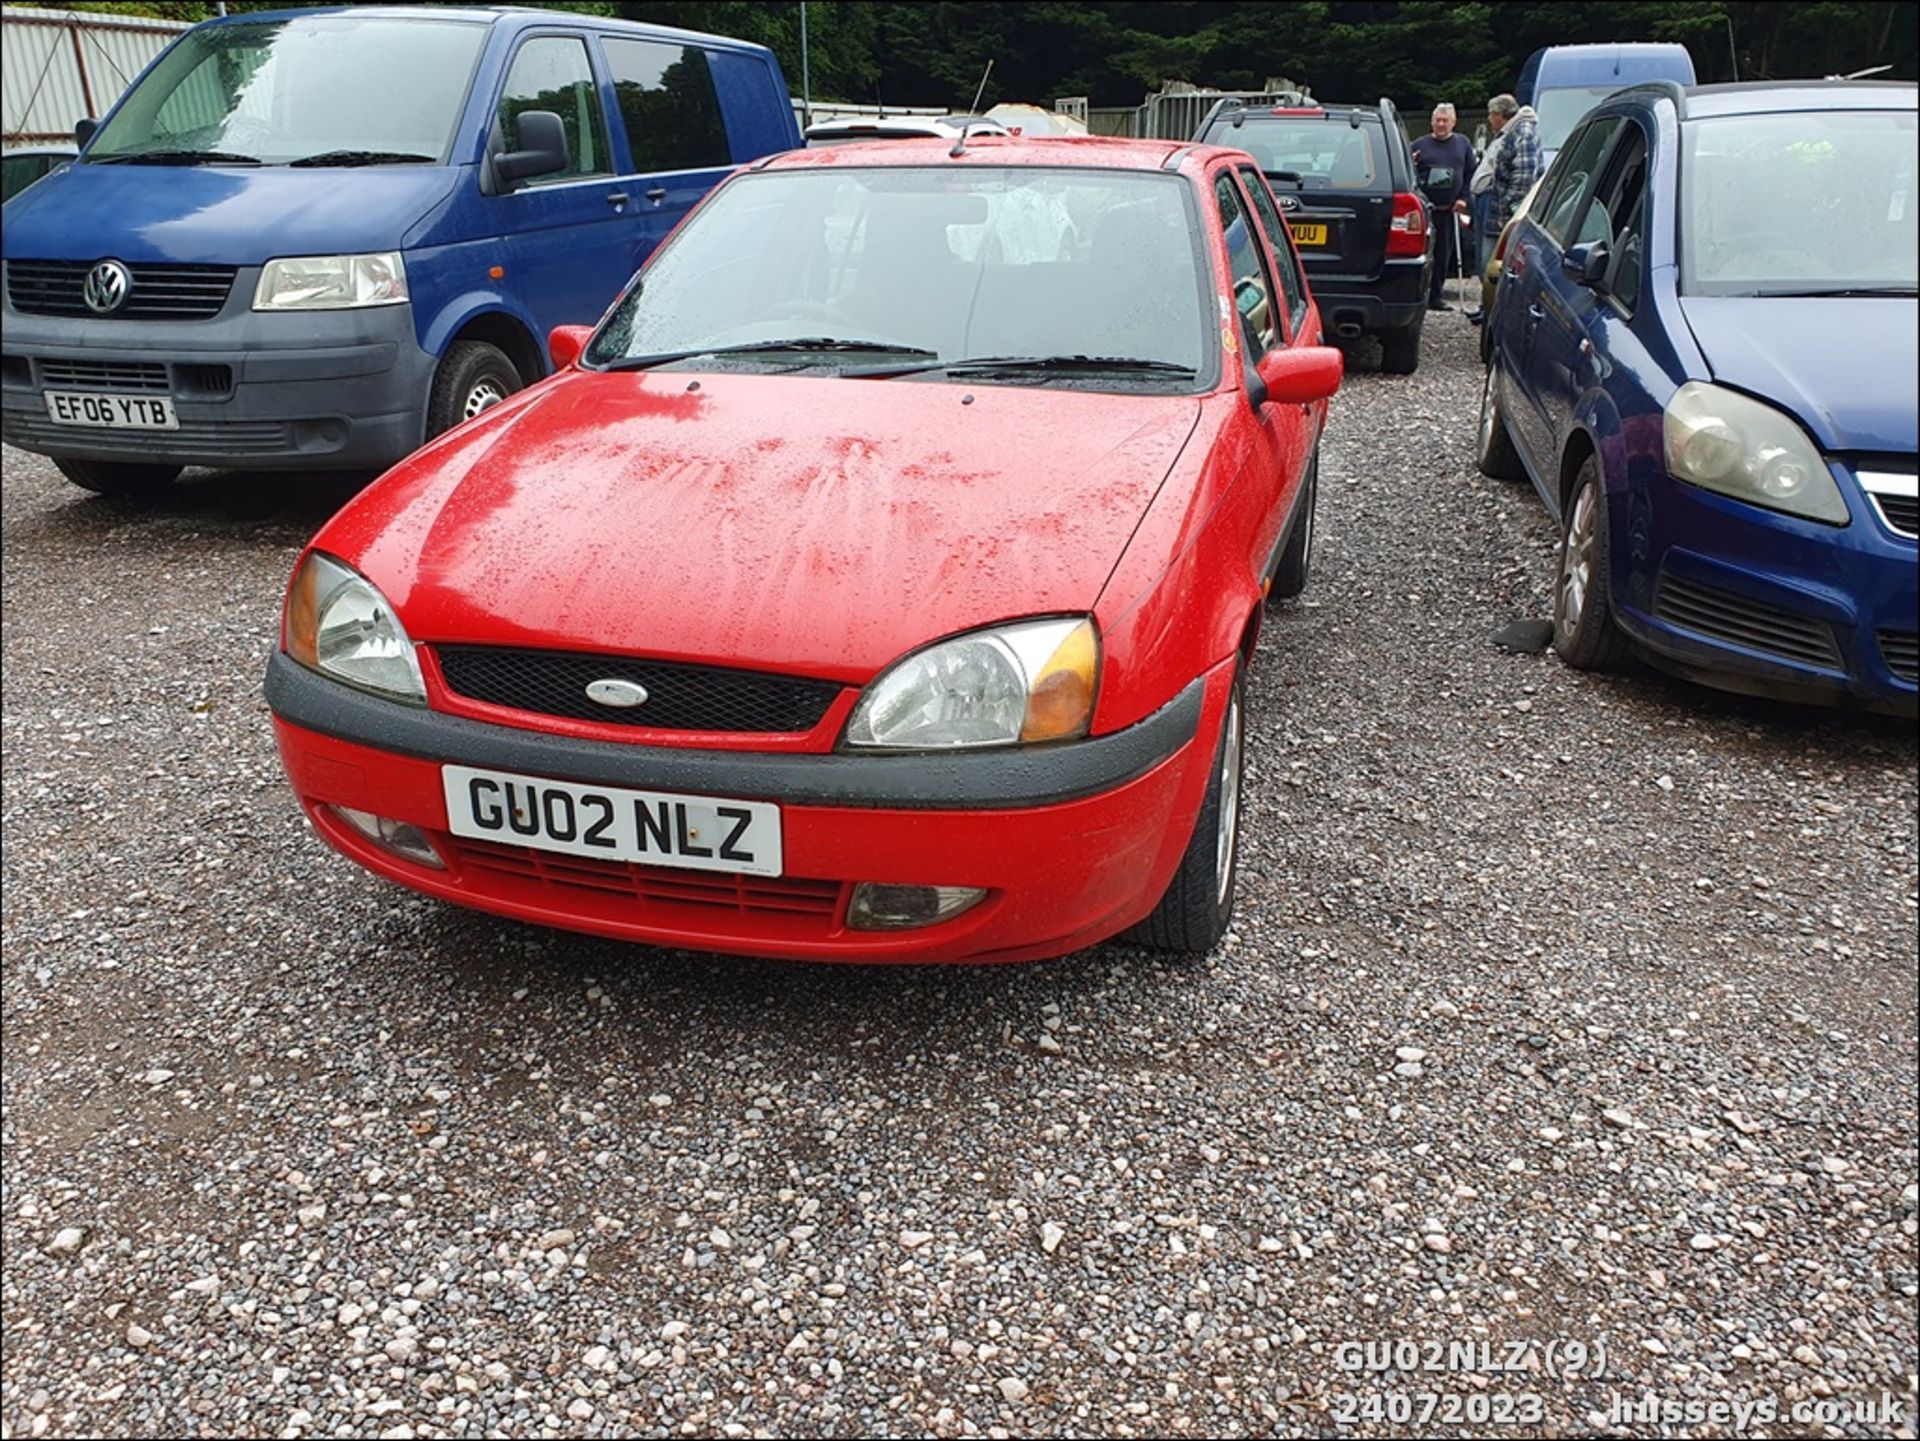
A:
325,89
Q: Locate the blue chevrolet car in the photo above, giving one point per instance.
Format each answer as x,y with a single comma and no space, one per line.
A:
1703,356
309,240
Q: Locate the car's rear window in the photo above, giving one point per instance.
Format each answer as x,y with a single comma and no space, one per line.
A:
1329,154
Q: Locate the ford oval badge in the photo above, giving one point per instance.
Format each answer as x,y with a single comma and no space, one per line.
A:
622,693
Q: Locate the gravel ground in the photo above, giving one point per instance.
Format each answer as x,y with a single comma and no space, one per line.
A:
1559,1009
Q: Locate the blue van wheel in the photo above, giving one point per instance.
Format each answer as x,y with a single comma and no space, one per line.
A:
128,482
473,378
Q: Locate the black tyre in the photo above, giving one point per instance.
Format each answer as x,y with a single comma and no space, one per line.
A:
473,377
1194,912
1493,451
128,482
1400,349
1584,633
1290,576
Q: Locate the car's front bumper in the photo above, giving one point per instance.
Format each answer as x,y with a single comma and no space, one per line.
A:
1750,600
1073,843
320,390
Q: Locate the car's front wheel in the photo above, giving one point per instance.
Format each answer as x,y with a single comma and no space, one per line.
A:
1194,912
126,482
473,377
1584,633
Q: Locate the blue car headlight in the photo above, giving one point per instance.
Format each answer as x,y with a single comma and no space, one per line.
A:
1724,441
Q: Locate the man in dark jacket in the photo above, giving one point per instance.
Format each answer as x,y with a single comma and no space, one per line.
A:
1445,150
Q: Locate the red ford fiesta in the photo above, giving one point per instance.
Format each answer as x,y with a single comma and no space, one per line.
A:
874,583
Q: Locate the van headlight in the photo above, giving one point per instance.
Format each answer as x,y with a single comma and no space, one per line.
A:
339,624
332,282
1722,440
1027,682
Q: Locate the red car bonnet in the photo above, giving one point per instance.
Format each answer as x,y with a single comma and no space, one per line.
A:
797,523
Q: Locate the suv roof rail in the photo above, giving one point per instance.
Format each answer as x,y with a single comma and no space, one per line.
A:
1672,89
1389,113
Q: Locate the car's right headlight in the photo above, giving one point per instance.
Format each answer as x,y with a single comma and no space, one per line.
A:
339,624
332,282
1027,682
1722,440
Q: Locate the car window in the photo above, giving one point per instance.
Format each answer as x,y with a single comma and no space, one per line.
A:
1325,154
1579,169
295,88
969,261
1846,177
667,103
1253,287
1616,214
551,72
1282,241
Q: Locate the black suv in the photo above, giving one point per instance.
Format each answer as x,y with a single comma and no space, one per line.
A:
1344,177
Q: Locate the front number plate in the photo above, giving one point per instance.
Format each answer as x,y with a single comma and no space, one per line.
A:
656,828
111,412
1307,234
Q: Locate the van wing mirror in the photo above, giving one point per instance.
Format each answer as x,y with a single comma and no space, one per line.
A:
83,131
543,148
1587,264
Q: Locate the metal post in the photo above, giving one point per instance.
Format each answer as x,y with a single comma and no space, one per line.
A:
806,72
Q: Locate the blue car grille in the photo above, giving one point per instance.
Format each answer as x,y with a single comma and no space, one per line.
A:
1901,651
1725,616
1901,512
158,292
679,697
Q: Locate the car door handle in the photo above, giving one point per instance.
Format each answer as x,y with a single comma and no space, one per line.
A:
657,194
617,198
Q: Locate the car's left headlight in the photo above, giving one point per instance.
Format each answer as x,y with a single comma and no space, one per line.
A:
339,624
1027,682
332,282
1722,440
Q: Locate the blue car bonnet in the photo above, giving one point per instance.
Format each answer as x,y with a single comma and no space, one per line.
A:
222,214
1844,366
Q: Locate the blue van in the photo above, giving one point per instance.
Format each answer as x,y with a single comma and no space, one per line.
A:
310,240
1564,82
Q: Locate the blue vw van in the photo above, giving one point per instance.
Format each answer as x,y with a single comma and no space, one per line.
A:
310,240
1564,82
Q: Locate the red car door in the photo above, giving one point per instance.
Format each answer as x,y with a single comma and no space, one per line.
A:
1278,436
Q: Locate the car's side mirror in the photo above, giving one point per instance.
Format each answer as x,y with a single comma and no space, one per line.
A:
83,131
1587,264
566,343
543,148
1298,375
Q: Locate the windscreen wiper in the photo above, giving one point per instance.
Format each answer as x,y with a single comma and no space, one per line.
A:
808,344
1848,290
364,157
176,157
1038,364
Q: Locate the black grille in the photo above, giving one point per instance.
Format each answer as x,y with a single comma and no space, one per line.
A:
225,438
1734,618
103,375
1901,512
1901,651
679,697
158,292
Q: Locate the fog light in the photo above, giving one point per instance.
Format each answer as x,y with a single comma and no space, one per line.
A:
880,907
402,839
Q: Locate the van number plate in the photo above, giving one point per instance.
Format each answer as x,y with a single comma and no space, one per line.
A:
704,833
111,412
